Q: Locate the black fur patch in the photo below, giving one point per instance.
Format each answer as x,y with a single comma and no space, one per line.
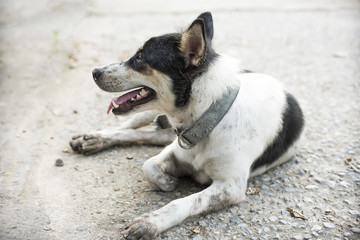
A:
293,123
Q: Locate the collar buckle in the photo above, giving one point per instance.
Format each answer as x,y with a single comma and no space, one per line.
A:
183,141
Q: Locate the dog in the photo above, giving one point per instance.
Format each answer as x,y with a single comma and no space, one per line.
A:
230,125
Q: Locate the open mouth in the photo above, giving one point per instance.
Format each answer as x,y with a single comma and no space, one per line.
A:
129,100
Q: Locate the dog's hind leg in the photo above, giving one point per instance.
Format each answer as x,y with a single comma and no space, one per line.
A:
98,141
220,194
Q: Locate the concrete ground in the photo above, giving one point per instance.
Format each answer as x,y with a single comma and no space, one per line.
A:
48,49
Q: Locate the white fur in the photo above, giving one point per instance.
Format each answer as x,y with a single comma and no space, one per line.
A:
225,157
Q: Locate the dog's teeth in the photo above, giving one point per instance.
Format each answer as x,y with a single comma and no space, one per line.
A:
138,96
115,105
132,99
143,92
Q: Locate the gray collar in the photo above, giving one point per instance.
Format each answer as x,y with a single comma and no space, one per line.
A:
188,138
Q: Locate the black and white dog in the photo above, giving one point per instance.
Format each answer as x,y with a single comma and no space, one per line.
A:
230,125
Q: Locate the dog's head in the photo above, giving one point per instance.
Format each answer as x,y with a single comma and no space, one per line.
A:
160,74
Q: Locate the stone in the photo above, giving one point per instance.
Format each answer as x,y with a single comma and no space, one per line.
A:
235,219
285,213
202,223
329,225
273,218
311,187
197,237
319,180
59,162
297,237
354,213
331,184
307,236
283,222
344,184
316,228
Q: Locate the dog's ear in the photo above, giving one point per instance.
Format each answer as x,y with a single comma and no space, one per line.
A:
208,22
196,38
193,43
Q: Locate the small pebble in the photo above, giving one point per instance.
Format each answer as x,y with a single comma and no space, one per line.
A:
59,162
297,237
331,184
285,213
283,222
319,180
354,213
316,228
47,228
310,187
355,230
273,218
202,223
329,225
307,236
197,237
235,219
344,184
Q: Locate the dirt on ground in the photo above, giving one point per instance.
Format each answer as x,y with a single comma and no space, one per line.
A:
47,52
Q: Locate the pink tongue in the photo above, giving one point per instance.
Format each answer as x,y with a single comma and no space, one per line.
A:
110,107
124,98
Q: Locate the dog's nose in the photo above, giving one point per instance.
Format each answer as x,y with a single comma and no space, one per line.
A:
96,74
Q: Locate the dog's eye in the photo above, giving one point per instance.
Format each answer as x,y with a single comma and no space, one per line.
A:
139,57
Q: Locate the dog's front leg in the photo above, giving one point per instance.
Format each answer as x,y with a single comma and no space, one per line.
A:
220,194
101,140
124,134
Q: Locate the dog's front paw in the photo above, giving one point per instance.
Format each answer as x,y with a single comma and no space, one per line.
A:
87,144
141,228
